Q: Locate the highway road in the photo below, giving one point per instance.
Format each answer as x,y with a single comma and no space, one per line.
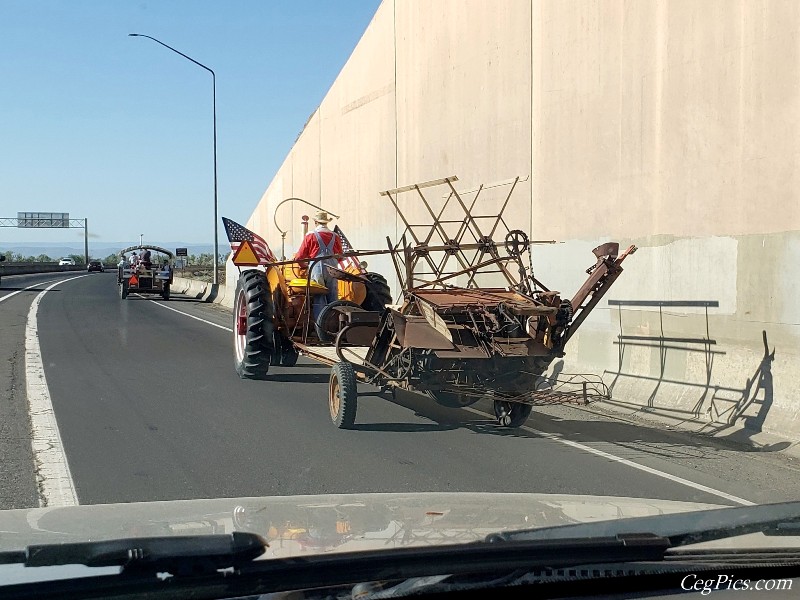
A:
144,404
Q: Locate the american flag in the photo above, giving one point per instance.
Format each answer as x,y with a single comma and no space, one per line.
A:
239,233
349,261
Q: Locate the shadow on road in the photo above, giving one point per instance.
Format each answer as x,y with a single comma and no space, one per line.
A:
444,419
187,299
19,289
298,377
637,438
650,440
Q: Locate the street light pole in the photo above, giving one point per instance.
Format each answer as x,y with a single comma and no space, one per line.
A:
214,92
141,235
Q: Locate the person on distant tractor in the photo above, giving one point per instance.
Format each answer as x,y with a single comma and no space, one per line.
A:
146,259
321,242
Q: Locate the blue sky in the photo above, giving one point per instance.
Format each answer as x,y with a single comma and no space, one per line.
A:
119,129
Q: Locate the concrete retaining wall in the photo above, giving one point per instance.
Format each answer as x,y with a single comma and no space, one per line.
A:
672,125
201,290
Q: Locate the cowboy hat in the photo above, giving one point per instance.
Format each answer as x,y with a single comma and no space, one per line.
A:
322,217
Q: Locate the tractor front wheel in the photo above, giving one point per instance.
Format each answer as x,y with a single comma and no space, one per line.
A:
327,325
284,353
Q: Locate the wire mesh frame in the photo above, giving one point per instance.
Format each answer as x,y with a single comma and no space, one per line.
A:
476,256
579,388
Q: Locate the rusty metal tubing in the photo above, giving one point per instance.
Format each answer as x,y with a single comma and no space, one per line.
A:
338,349
463,272
356,253
275,212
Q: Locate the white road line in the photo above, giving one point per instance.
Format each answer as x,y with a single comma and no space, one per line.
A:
30,287
590,450
626,462
187,314
54,479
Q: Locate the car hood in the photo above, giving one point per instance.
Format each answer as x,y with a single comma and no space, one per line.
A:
301,525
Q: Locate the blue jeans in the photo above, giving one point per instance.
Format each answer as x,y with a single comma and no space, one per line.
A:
320,301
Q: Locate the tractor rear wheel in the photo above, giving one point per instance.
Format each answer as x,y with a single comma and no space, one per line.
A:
123,289
253,326
165,292
379,294
343,395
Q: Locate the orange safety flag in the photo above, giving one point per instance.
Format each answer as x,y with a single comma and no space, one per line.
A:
134,280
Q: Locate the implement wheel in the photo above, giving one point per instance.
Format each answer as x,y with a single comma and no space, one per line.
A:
511,414
342,395
252,326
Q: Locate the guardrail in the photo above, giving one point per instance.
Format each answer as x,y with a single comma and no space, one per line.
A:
7,268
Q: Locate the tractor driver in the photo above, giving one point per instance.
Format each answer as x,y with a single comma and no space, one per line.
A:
321,242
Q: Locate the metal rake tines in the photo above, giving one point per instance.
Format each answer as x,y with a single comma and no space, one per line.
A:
460,235
570,387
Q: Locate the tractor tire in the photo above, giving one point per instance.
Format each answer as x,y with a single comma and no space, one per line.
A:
277,345
123,289
343,395
326,332
515,413
253,326
289,356
379,294
165,293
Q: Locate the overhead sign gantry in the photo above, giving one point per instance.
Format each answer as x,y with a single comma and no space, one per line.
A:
49,220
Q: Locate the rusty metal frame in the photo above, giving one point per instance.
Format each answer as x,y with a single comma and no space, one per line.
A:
409,257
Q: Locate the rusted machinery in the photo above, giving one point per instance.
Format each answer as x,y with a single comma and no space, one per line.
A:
472,321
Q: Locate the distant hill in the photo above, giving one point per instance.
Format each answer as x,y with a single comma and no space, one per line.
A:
101,249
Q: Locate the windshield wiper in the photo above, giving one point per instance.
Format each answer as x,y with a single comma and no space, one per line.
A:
679,528
175,554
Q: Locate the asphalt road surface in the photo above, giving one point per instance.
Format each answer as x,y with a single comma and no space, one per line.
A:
148,407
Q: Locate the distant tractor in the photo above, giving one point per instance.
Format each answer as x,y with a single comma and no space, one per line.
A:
145,277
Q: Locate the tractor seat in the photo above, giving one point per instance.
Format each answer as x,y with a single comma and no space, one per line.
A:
299,286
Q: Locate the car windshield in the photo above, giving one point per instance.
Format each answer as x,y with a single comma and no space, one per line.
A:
419,272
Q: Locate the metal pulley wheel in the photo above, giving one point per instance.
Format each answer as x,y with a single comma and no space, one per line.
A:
516,242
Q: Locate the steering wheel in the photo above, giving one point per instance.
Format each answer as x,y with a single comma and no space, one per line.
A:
516,242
